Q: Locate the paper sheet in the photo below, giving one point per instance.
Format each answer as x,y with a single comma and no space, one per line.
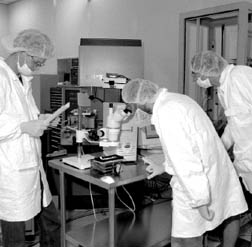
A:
57,112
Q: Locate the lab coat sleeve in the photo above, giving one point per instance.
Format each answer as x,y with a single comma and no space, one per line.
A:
227,138
9,122
184,155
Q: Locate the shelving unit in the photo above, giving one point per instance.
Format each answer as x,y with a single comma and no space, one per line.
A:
56,101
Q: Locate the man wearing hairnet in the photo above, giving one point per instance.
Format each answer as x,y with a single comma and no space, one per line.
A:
206,188
234,84
23,186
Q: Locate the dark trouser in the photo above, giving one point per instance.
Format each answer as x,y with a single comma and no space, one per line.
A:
48,222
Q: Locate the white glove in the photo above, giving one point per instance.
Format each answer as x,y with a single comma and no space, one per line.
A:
34,127
153,169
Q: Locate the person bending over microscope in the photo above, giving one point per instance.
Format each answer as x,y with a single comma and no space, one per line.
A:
23,186
206,188
234,87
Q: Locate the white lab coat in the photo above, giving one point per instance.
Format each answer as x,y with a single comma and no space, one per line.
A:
202,172
20,154
235,94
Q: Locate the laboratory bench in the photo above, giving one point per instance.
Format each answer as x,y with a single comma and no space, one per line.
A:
149,226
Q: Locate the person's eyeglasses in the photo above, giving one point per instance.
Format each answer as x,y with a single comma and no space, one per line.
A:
37,62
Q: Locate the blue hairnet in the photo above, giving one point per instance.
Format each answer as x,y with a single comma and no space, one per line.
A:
139,91
208,63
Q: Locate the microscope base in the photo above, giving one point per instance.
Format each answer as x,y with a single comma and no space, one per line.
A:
81,163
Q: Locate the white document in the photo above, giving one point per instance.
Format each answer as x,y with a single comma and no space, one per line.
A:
57,112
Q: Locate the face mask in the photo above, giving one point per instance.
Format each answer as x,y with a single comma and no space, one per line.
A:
142,119
204,83
24,69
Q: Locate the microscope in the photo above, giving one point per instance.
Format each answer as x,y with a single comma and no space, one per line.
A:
126,141
117,114
109,135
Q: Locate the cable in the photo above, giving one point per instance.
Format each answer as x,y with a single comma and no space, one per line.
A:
92,201
93,234
132,201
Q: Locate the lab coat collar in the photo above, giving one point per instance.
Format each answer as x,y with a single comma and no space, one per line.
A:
27,83
26,79
22,90
11,73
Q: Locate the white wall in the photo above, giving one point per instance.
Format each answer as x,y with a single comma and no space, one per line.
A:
156,22
3,25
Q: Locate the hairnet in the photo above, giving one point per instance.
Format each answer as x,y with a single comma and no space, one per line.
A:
139,91
31,41
208,63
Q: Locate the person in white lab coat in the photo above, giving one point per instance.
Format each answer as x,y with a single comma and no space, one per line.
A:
205,185
23,185
234,85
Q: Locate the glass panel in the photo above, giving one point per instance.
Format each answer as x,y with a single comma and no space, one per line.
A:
230,43
196,39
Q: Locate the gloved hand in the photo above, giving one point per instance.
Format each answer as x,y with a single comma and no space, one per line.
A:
34,127
206,213
153,169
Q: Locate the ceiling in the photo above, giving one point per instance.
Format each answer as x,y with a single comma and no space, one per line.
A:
8,1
